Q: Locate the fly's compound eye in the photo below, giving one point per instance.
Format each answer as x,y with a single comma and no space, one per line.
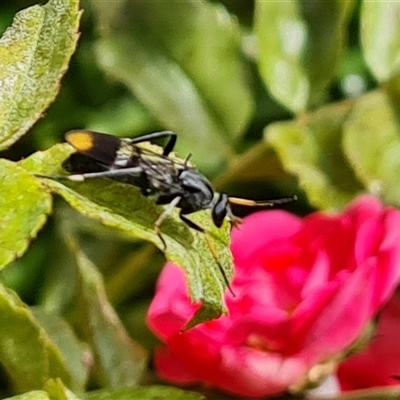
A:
220,210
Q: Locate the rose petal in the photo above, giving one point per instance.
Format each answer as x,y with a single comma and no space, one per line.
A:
170,309
259,230
306,290
171,369
380,362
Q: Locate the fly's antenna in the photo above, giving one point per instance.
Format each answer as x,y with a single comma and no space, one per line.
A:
236,221
253,203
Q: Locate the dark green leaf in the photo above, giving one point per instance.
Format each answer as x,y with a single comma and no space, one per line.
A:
183,61
119,362
76,354
24,207
259,163
27,354
310,148
299,44
137,272
34,54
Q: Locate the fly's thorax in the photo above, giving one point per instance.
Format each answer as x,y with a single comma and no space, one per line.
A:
197,189
161,175
126,156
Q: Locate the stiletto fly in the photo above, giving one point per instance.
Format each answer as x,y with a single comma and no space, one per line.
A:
166,179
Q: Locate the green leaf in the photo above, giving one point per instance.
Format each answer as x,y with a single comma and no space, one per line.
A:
34,53
124,117
58,391
119,361
24,207
123,207
310,148
145,393
190,75
258,164
299,45
27,354
372,144
380,37
75,353
33,395
55,390
136,272
47,162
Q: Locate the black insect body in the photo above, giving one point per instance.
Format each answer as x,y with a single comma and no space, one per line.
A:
160,176
164,179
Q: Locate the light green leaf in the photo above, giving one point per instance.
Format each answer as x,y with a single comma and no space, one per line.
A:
27,354
33,395
58,391
123,207
190,75
310,148
371,142
24,207
299,44
47,162
118,360
380,37
156,392
34,55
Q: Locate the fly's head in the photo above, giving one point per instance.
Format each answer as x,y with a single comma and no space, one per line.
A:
199,195
221,209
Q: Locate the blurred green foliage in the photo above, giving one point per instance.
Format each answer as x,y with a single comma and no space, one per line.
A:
272,98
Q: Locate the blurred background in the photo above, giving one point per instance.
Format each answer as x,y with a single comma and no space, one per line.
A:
272,98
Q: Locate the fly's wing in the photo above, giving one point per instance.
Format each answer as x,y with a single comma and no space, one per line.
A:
111,152
80,163
99,147
97,152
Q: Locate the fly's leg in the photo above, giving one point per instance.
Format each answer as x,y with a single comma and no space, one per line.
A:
162,217
158,135
210,245
112,173
190,223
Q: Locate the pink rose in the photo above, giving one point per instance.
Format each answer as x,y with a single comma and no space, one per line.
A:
378,364
305,289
